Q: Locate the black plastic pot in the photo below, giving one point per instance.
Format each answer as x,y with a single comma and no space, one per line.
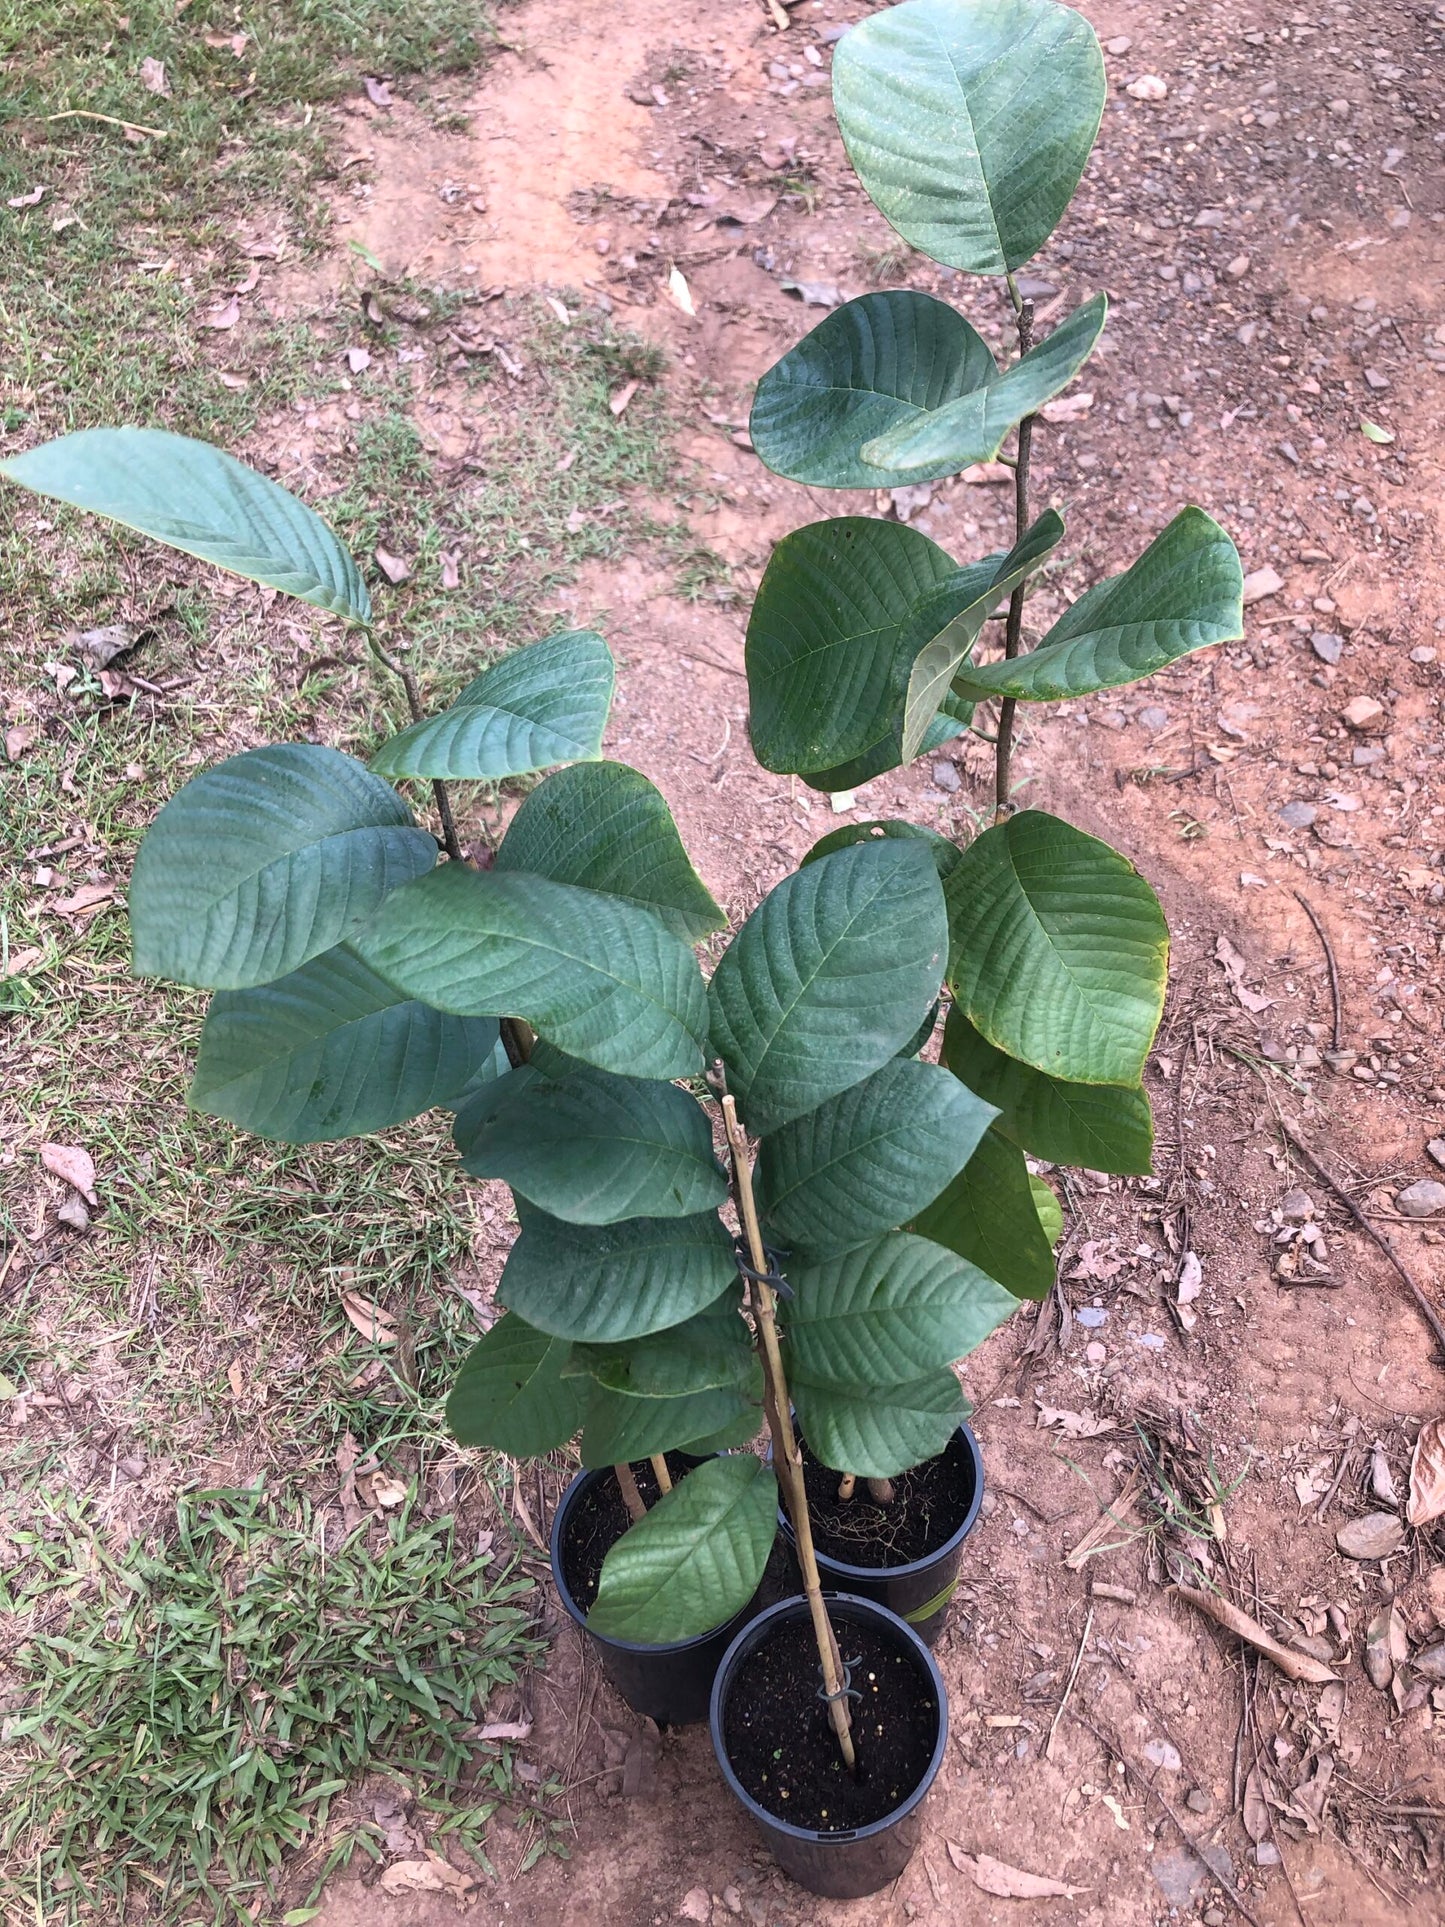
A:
670,1684
845,1865
918,1592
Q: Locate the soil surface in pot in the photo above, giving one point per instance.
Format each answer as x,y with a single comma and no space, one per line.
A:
598,1521
781,1743
928,1506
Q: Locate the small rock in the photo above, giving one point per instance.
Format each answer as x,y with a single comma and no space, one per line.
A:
1375,380
1120,44
1341,1061
732,1900
1340,109
1424,653
1212,1917
1298,815
1096,1353
1425,1198
1180,1876
696,1906
1367,755
1197,1801
1161,1754
1091,1317
1238,268
1260,583
1436,1148
1327,646
1430,1662
74,1214
1296,1207
1362,712
1266,1854
945,775
1382,1479
1147,87
1153,718
1374,1536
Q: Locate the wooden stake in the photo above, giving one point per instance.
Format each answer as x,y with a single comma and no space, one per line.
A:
787,1457
659,1467
631,1497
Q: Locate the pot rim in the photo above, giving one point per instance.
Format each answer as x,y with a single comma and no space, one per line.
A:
751,1636
565,1594
929,1559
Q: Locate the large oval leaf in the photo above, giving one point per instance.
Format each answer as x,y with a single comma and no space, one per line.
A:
332,1050
604,827
1185,592
269,858
510,1393
1059,950
970,124
600,979
592,1148
988,1215
596,1284
618,1429
892,1311
879,1431
205,503
540,705
945,853
828,979
869,1158
897,387
705,1353
1104,1127
695,1560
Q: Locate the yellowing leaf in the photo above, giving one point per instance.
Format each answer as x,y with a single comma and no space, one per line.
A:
74,1165
996,1877
369,1319
1427,1475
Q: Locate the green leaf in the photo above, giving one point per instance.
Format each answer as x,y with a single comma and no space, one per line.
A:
695,1560
843,609
596,1284
987,1215
600,979
867,1159
604,827
973,427
1373,432
945,853
205,503
510,1393
1103,1127
828,978
1059,950
1051,1213
934,665
886,752
592,1148
618,1428
544,704
331,1050
266,860
742,1431
879,1431
969,126
890,1312
1185,592
708,1352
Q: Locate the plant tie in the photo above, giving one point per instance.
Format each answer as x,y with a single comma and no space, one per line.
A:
772,1277
847,1691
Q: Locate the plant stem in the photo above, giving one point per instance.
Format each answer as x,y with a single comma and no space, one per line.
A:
631,1497
659,1466
880,1491
1013,630
787,1457
847,1486
413,702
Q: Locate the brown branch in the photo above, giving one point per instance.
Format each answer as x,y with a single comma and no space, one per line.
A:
1309,910
1013,629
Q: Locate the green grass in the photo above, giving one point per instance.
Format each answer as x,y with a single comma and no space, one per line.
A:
190,1718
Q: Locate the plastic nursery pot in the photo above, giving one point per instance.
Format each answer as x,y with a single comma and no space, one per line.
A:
777,1749
917,1588
670,1684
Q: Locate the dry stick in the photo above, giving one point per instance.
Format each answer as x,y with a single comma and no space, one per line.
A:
413,703
631,1497
786,1455
659,1467
1427,1310
1013,629
1313,916
1069,1684
109,120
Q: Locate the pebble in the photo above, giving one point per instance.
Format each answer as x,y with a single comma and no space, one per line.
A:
1095,1352
1367,755
1436,1148
1296,1207
945,776
1266,1854
1161,1754
1152,717
1091,1317
1425,1198
1340,109
1197,1801
1237,268
1373,1536
1363,712
1430,1663
1327,646
1147,87
1298,815
1260,583
1423,654
1120,44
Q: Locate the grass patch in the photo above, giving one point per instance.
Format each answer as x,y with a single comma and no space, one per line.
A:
191,1717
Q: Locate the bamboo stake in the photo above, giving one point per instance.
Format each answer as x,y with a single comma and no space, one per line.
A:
631,1497
664,1477
786,1454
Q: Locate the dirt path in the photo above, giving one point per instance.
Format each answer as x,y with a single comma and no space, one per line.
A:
1271,238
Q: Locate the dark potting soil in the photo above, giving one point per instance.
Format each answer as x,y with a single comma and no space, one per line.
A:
781,1743
928,1506
598,1521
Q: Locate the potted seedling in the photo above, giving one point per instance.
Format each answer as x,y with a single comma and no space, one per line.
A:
752,1199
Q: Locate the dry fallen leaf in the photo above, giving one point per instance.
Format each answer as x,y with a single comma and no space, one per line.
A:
75,1166
377,91
1255,1813
32,199
89,897
234,1377
506,1730
18,740
226,316
103,645
358,360
430,1876
387,1491
996,1877
1296,1665
618,401
451,562
679,293
559,308
1098,1261
1078,1425
153,77
369,1319
1427,1475
1236,968
392,566
19,961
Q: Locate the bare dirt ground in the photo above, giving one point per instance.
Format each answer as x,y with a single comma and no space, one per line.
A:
1272,237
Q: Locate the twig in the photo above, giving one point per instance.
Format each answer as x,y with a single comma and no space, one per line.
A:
787,1456
130,126
1427,1310
1294,1665
414,705
1069,1683
1013,631
1309,910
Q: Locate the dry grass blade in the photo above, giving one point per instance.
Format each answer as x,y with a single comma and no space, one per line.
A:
1296,1665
